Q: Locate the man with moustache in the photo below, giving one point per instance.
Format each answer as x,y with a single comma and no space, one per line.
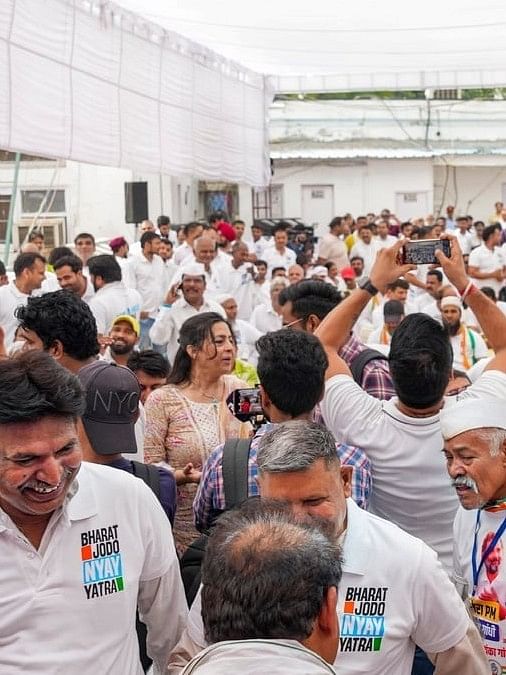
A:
467,345
77,540
475,451
388,602
124,336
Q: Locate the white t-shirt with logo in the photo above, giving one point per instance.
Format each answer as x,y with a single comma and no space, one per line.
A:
488,602
411,484
393,594
69,607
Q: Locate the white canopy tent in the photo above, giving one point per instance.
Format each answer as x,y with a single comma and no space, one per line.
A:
92,82
118,84
326,45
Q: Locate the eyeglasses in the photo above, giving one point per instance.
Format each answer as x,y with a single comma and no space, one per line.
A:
292,323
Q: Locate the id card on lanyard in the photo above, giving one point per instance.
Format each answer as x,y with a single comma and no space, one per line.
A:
486,612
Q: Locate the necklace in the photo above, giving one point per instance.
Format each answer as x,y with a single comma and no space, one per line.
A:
212,398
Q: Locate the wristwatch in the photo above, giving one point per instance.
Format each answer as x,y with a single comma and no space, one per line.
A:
366,285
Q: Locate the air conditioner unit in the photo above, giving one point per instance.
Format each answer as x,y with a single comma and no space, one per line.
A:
54,230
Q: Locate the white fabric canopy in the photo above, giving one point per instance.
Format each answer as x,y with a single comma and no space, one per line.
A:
90,82
329,45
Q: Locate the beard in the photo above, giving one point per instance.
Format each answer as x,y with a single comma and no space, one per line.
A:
453,328
120,348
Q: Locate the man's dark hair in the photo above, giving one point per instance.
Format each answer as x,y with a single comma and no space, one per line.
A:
280,227
73,261
276,269
489,231
57,253
337,220
261,262
2,269
424,232
295,357
436,273
238,221
420,361
265,575
393,308
489,292
148,237
26,261
217,216
84,235
398,283
63,316
106,266
357,257
164,240
34,385
36,234
151,362
310,297
163,220
190,227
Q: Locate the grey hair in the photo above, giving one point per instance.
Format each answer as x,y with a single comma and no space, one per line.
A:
265,575
202,238
295,446
494,437
279,281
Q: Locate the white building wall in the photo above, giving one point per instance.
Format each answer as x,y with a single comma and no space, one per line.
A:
471,189
369,185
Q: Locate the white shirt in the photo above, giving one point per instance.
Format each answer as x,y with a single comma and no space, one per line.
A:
487,261
258,247
168,323
388,241
486,611
265,319
239,282
411,484
111,301
367,252
274,258
148,277
246,336
182,253
465,241
393,594
376,335
108,550
473,353
10,298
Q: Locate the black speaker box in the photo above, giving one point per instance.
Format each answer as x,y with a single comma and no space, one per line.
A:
136,202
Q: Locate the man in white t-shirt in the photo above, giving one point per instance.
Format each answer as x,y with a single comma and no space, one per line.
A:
467,345
238,279
75,537
402,437
146,273
475,451
486,262
366,247
393,593
245,334
464,237
112,297
30,271
279,255
383,239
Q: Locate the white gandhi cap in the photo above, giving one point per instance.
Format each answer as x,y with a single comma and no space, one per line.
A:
472,413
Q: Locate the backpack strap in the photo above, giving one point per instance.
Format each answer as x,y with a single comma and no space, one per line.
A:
149,474
235,471
361,360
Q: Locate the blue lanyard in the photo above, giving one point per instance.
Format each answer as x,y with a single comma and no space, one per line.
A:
488,550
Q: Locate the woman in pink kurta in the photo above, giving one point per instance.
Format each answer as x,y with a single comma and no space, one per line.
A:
187,418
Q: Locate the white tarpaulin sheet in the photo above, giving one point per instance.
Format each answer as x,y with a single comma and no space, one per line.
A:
89,81
333,45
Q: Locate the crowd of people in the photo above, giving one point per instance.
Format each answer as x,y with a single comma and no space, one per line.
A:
225,451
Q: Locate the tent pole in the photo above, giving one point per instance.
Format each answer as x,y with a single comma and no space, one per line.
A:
10,218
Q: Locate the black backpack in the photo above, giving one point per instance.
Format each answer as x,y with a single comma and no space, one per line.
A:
151,476
235,486
359,363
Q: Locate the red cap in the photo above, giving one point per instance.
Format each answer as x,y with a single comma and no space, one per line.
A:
348,273
226,230
117,242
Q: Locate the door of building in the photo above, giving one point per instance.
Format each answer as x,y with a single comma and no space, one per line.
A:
317,207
